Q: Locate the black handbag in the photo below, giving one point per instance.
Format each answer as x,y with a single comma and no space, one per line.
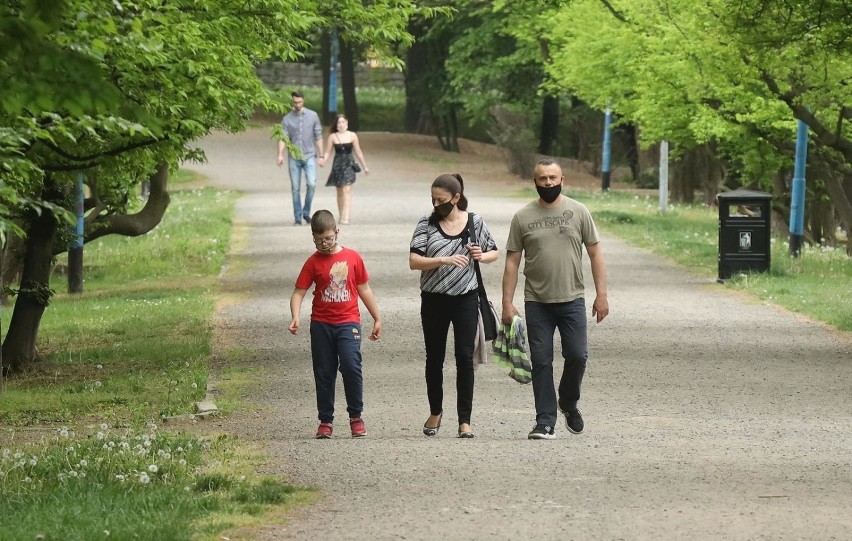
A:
356,167
486,309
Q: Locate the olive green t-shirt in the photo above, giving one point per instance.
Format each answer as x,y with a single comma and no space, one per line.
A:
552,241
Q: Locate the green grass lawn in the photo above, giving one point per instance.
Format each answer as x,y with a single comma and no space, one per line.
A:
817,284
85,452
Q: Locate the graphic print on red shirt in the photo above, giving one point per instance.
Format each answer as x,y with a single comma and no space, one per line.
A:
337,277
336,291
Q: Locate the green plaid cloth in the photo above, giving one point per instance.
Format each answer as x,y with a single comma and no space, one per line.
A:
510,350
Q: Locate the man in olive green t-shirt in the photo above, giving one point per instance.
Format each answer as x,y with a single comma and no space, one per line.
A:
551,233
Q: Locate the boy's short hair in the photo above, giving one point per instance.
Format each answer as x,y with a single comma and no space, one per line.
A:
322,221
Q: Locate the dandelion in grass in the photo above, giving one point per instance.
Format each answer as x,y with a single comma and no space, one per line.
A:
153,468
182,462
144,479
120,477
28,480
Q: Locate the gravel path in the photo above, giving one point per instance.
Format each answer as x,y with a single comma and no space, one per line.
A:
709,415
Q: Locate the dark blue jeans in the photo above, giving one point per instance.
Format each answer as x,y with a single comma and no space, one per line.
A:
437,311
542,320
333,348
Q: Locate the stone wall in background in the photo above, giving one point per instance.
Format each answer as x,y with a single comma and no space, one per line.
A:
278,75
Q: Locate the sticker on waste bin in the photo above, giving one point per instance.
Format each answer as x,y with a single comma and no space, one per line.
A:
745,240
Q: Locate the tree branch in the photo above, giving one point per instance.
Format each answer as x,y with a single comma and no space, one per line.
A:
143,221
93,157
615,13
821,132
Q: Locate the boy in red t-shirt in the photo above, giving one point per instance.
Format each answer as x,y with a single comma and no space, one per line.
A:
340,278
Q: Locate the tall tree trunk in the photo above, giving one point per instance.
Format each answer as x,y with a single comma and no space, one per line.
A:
549,124
842,203
414,108
325,66
347,72
13,263
19,348
631,149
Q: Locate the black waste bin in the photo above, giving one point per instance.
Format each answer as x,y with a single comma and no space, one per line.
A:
744,235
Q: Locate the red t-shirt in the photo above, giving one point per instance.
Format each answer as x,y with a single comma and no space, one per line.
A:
337,277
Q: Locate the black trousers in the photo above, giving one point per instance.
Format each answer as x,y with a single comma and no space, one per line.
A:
437,311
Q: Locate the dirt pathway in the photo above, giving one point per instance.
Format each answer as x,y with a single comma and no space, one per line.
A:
708,415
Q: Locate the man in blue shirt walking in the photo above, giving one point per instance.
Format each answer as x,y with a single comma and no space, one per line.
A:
302,126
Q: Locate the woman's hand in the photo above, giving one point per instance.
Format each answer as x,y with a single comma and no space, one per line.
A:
475,251
457,260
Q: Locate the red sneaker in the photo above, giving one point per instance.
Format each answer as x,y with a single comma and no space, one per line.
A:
356,425
324,431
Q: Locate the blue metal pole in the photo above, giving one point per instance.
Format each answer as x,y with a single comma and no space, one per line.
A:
797,199
607,150
75,248
332,75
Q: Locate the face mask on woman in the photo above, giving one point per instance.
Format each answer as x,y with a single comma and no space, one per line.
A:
444,209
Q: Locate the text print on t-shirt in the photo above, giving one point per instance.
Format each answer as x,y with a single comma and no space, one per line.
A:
549,222
336,290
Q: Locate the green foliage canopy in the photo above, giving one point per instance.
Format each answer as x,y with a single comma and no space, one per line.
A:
735,73
113,88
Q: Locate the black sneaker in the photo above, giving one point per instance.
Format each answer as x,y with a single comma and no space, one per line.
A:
541,432
573,420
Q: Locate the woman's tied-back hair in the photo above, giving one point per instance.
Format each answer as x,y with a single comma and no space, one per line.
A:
323,221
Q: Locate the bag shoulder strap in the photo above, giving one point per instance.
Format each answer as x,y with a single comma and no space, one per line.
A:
471,235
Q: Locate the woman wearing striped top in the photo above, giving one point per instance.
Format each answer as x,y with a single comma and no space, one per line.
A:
441,248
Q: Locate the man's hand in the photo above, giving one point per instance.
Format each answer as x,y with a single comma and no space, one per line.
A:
280,160
600,308
509,312
294,326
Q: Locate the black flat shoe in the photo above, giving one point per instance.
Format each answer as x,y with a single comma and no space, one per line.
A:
466,434
432,430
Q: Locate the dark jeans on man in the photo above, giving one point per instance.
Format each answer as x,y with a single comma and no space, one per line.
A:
437,311
542,320
333,348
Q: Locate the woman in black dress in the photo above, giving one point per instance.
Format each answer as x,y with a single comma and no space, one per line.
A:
346,149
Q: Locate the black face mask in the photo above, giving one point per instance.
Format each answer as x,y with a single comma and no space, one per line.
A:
444,209
549,194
